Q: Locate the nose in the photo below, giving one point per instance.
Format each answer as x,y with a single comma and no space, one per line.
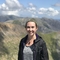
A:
30,29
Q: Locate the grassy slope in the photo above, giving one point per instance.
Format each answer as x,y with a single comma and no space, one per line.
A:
10,44
52,44
9,41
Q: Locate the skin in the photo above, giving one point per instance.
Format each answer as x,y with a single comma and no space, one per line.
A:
31,30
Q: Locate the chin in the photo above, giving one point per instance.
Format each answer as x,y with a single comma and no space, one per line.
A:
31,34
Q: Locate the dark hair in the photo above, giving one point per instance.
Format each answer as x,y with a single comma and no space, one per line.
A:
31,20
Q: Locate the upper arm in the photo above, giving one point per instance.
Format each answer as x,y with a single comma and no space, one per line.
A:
44,52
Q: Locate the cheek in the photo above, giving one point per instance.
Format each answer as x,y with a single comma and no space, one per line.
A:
34,30
27,29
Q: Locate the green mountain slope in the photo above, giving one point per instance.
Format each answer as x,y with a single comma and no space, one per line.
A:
11,33
53,45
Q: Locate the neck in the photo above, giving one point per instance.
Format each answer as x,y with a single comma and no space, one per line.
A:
32,37
30,40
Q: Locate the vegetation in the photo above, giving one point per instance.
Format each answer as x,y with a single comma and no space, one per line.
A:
11,33
52,44
10,45
16,22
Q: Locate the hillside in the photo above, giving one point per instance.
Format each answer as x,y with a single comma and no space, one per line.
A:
11,31
4,18
53,43
10,35
45,24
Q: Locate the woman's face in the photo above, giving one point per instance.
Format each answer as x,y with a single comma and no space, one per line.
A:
31,28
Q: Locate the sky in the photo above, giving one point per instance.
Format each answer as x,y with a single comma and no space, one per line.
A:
31,8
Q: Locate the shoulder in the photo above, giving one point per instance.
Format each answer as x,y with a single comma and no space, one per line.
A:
40,40
24,39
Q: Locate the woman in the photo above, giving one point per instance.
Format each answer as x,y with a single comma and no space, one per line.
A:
32,46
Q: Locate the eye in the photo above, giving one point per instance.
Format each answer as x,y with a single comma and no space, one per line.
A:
32,26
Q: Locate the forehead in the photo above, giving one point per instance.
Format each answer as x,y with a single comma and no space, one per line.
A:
31,24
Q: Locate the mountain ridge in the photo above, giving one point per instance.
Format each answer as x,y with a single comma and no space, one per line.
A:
11,32
44,24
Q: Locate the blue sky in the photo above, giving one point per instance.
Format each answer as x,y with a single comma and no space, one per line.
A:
31,8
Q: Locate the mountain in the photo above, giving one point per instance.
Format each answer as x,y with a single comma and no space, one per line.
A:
10,35
11,32
45,24
4,18
52,23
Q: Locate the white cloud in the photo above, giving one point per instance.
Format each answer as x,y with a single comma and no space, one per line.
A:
31,8
10,12
3,7
34,16
52,12
13,7
30,4
10,7
13,4
48,11
42,11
